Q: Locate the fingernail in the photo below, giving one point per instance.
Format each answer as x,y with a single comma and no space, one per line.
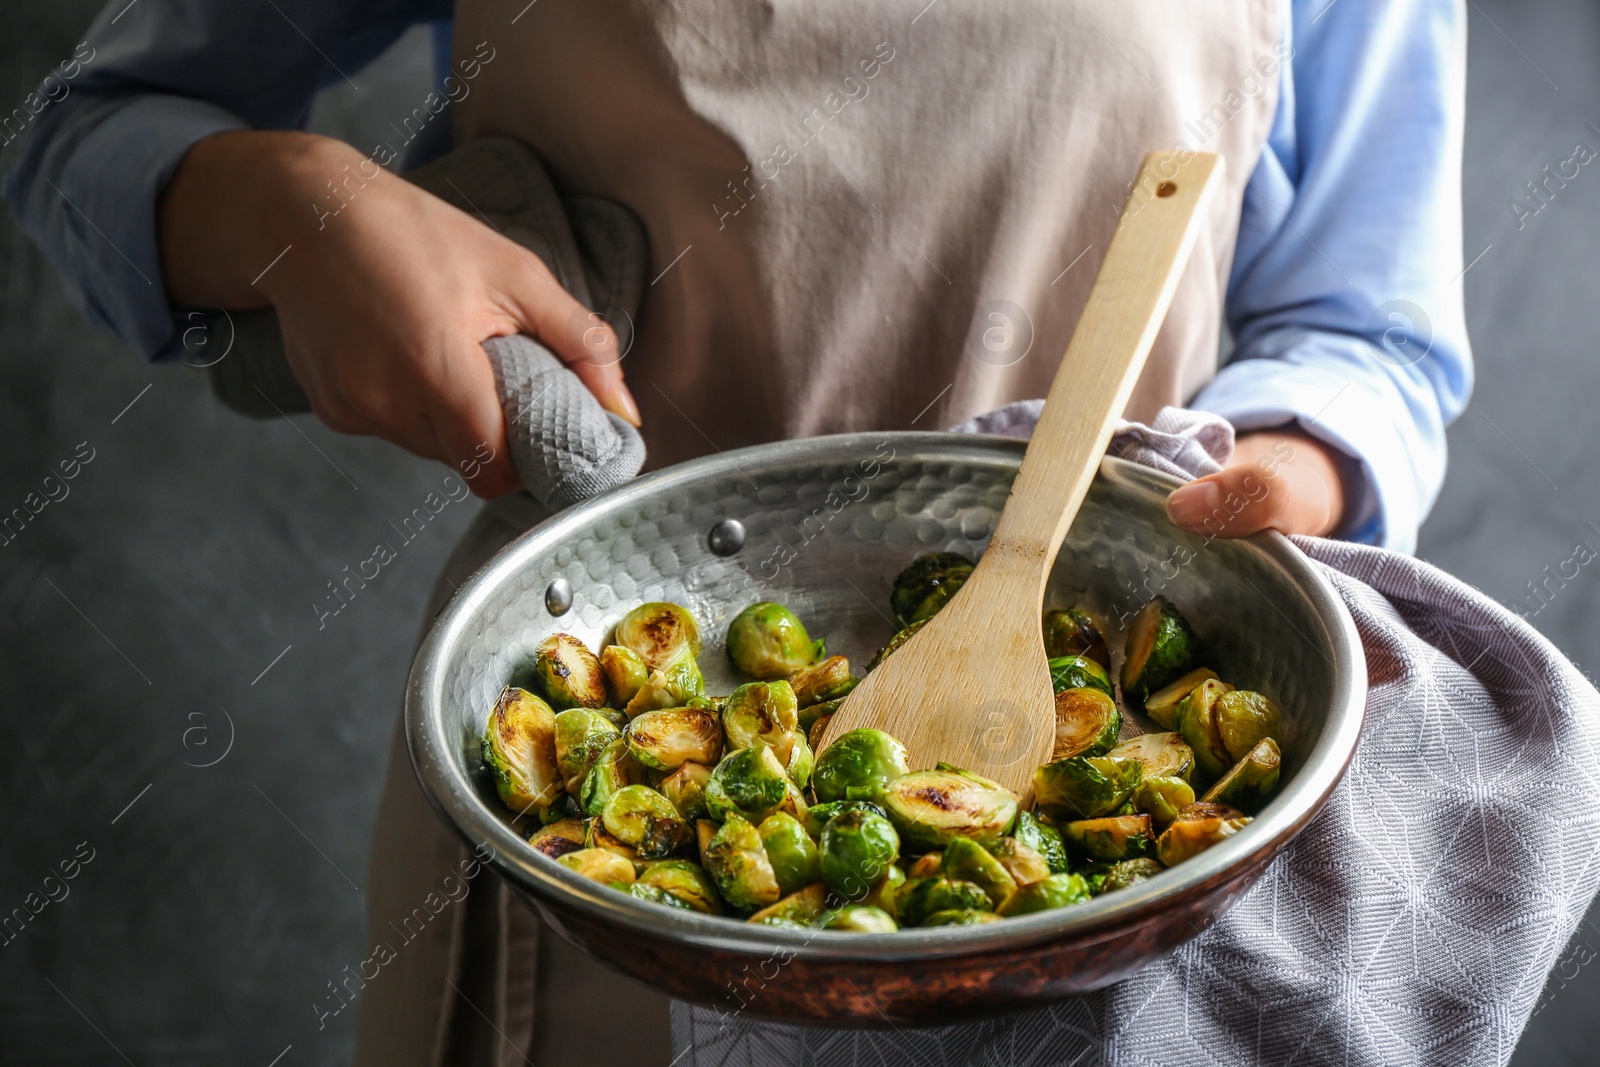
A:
629,407
1194,503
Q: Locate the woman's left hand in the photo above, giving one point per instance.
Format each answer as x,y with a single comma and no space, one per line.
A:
1281,479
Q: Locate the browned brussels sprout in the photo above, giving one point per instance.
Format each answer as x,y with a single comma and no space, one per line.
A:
1044,839
1164,755
1162,799
1162,705
857,919
676,684
1056,891
751,782
595,835
762,711
926,865
1244,718
826,680
931,808
659,634
569,674
559,838
1074,632
921,897
1161,646
960,917
1087,723
967,861
581,735
614,768
599,865
625,673
686,788
799,908
666,739
654,894
1197,722
1119,837
768,641
738,864
1079,672
1085,787
686,881
646,822
927,585
1023,864
1248,783
1198,827
807,716
1128,873
519,747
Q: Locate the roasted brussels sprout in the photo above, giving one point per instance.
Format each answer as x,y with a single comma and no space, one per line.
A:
932,808
1196,720
801,761
762,711
1248,783
1198,827
686,881
625,673
791,852
646,822
818,730
1087,723
1162,705
1073,632
960,917
826,680
738,864
1042,838
674,685
666,739
799,908
901,637
613,769
1244,718
1161,646
1164,755
751,782
882,894
808,716
1129,872
1162,798
927,585
769,642
599,865
859,765
569,674
817,815
595,835
967,861
857,849
559,838
654,894
659,634
1056,891
704,831
581,735
1118,837
1023,864
686,788
857,919
1085,787
519,746
779,921
1079,672
927,865
922,897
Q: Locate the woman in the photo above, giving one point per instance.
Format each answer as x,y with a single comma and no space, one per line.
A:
861,216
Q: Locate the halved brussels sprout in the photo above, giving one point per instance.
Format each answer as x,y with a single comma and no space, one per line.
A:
686,788
967,861
1042,838
625,673
519,746
857,848
1056,891
799,908
882,894
613,769
859,765
686,881
768,641
801,761
1196,720
1074,632
1079,672
808,716
1119,837
817,815
927,585
599,865
659,633
900,638
646,822
666,739
739,865
819,730
569,674
1244,718
762,711
857,919
791,852
1085,787
779,921
1198,827
595,835
751,782
654,894
1087,723
960,917
922,897
1251,781
559,838
927,865
704,831
673,685
1129,872
826,680
1162,705
932,808
1023,864
1161,646
1164,755
1162,799
581,735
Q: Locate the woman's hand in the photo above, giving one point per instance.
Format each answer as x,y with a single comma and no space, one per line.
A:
384,292
1281,479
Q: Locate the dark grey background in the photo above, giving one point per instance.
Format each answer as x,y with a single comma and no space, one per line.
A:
165,605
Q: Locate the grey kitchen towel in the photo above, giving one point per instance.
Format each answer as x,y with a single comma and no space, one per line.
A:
1414,921
565,446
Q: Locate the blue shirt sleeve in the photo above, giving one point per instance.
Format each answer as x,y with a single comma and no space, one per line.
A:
1345,303
149,81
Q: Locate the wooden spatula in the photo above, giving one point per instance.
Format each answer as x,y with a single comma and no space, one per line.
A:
972,687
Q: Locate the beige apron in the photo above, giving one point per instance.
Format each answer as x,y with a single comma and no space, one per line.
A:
862,215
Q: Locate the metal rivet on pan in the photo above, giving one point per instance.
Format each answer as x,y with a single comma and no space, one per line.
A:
726,537
558,597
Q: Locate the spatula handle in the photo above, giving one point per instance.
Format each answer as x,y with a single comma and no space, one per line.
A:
1103,360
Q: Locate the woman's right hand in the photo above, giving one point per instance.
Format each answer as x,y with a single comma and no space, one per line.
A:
384,305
